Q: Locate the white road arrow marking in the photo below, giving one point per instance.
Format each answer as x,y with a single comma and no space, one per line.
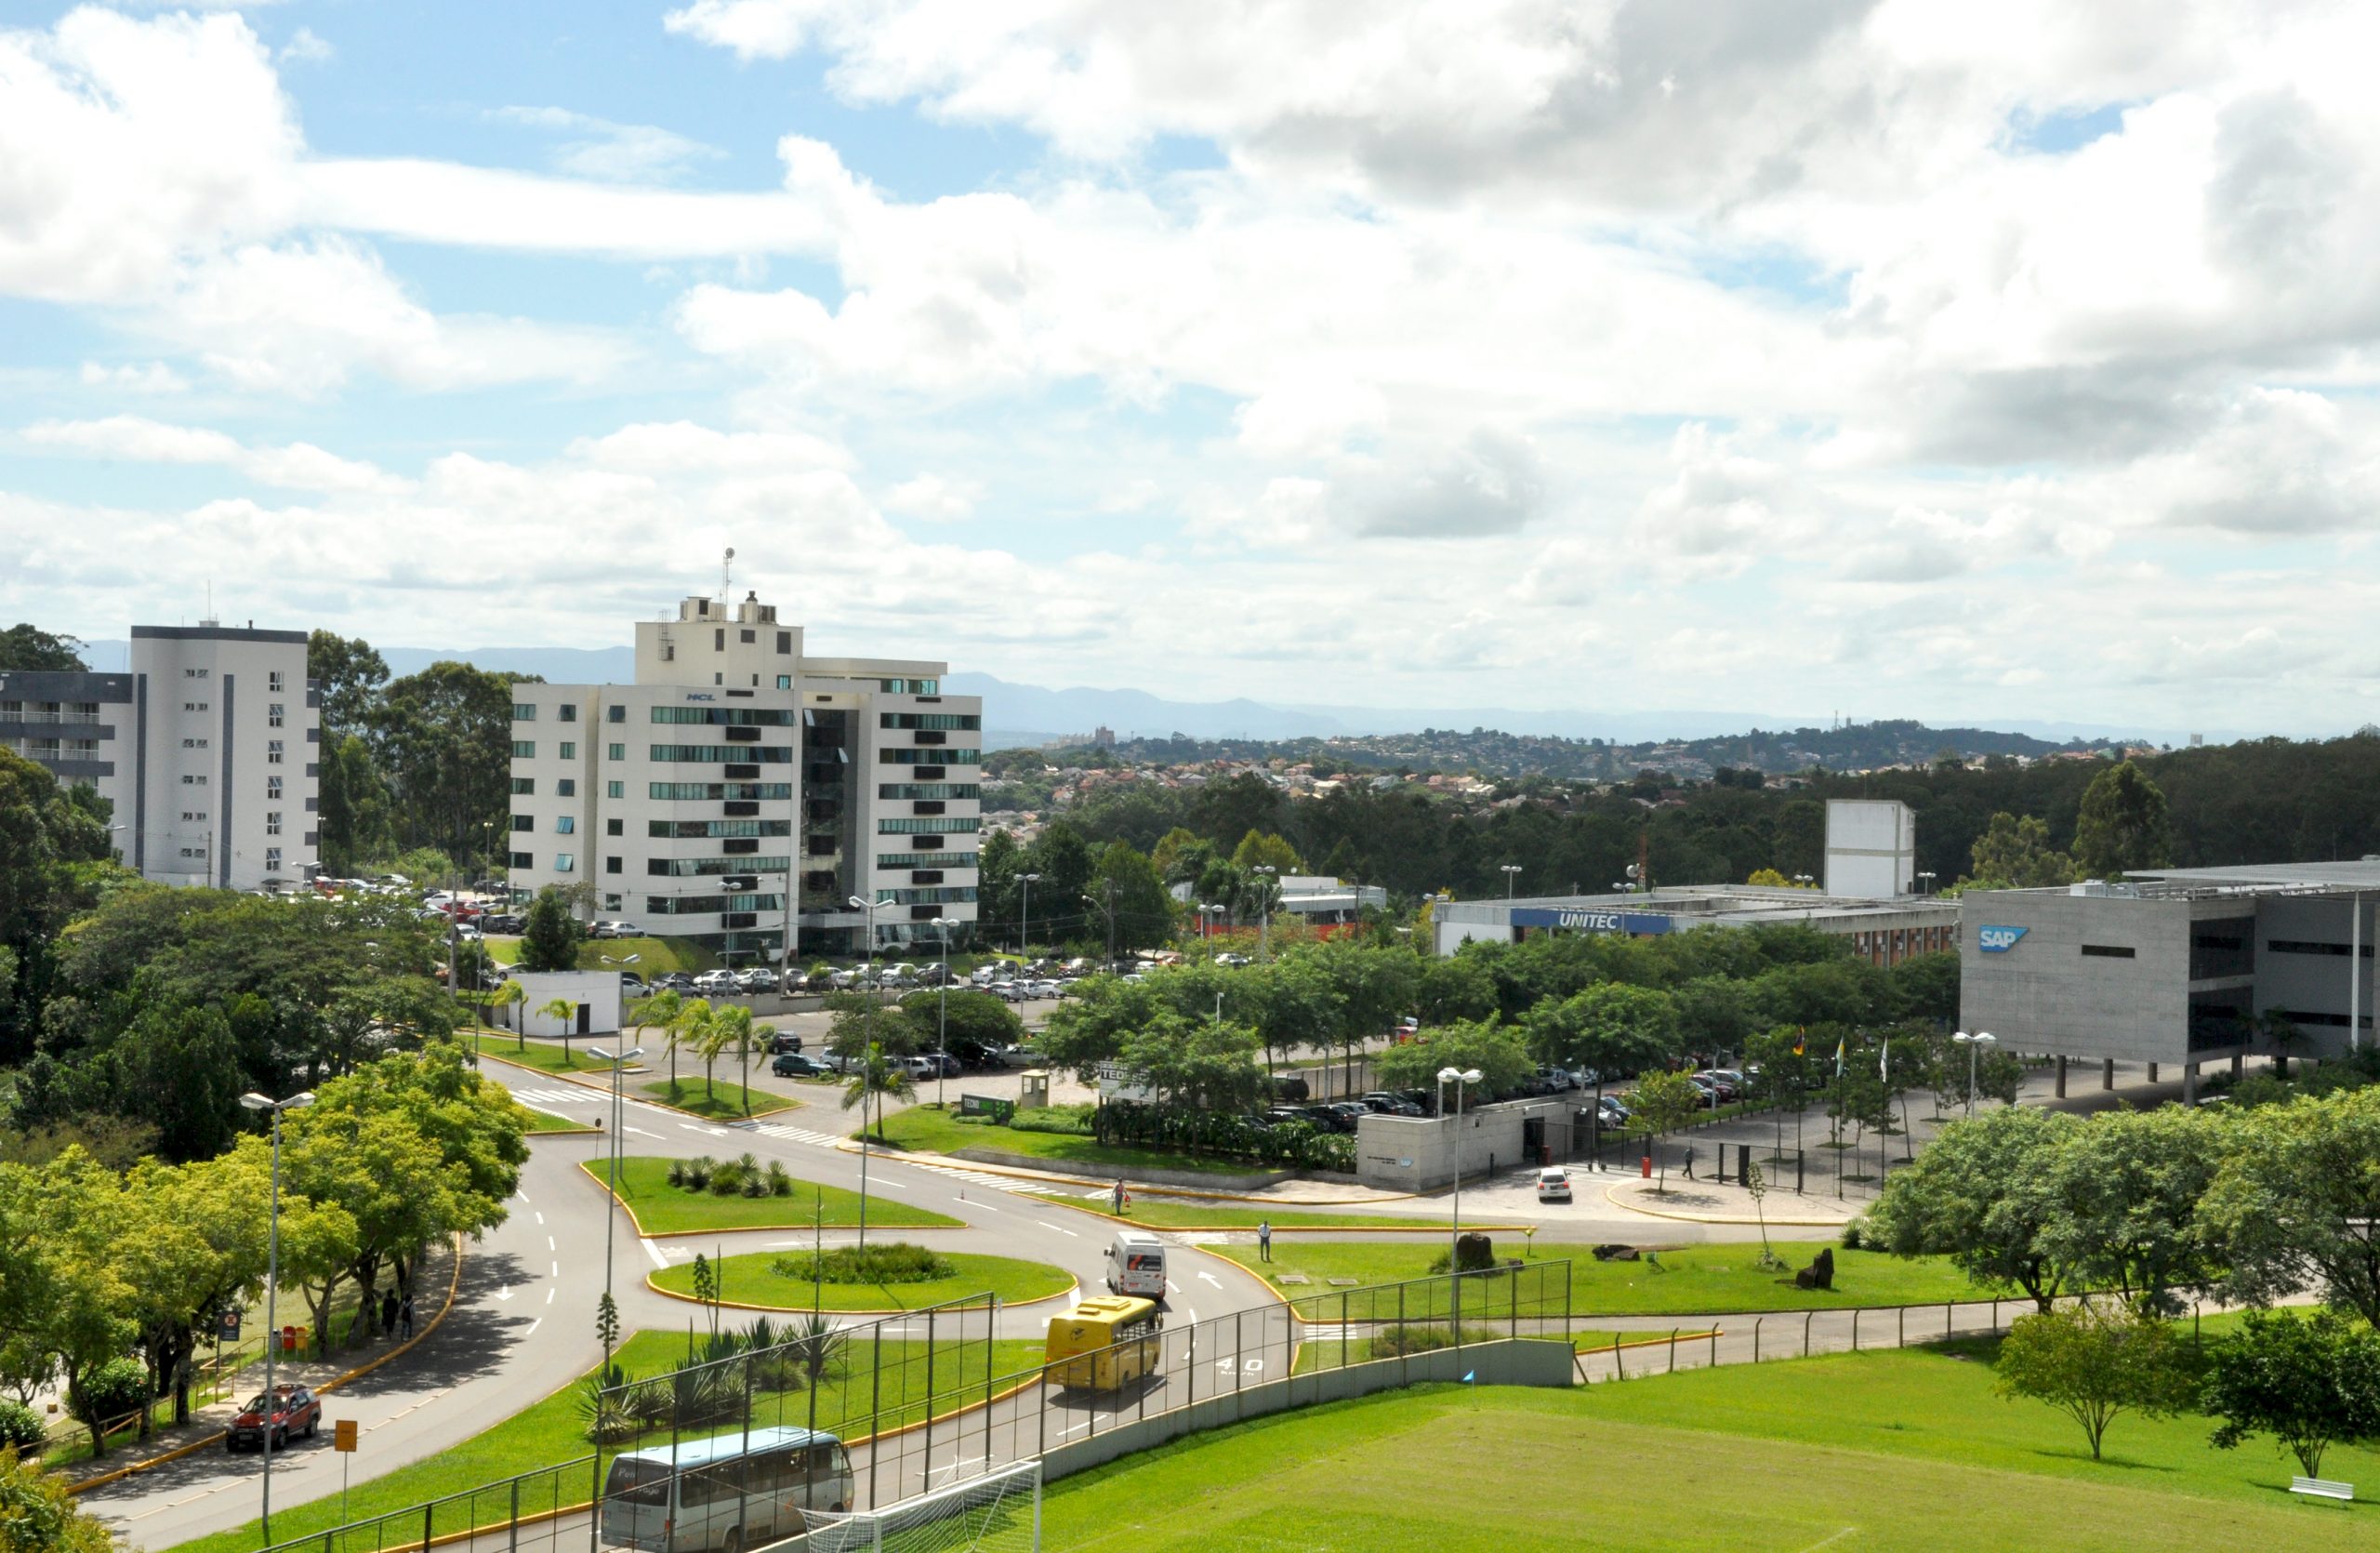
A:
654,1252
1213,1280
637,1131
505,1292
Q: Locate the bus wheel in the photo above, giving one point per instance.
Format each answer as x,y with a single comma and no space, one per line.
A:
734,1543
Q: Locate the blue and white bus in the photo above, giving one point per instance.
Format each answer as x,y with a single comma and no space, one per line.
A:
731,1493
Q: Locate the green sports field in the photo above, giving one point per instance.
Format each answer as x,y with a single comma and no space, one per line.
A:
1885,1450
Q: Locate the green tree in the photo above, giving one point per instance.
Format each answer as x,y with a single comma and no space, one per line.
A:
552,933
1611,1028
1196,1063
2122,824
28,646
977,1016
563,1012
1983,1195
2095,1365
1063,860
1257,849
181,1072
659,1011
2015,854
1453,987
1131,900
1091,1027
512,995
190,1240
1662,1103
1488,1045
37,1514
2126,1187
358,820
2296,1204
445,737
349,675
2309,1383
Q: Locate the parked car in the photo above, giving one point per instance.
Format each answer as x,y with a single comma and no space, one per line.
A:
1559,1079
793,1065
784,1041
716,982
1233,960
1554,1184
760,978
295,1411
1394,1105
1353,1110
1274,1115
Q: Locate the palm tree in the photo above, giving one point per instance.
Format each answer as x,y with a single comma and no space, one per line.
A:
879,1075
565,1013
658,1010
730,1027
689,1027
512,995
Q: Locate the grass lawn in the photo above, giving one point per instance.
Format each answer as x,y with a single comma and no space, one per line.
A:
663,1209
924,1127
1887,1452
653,955
546,1121
721,1098
546,1055
1327,1355
1705,1280
549,1432
747,1279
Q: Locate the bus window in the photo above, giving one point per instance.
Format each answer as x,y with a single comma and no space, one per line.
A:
638,1482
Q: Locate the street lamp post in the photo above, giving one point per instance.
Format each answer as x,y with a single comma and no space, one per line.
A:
1024,917
1925,877
1511,873
869,1058
1974,1043
942,1033
256,1102
610,1213
1264,923
1458,1077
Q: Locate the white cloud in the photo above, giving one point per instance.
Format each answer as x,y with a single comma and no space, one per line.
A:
935,497
298,466
305,46
147,377
599,149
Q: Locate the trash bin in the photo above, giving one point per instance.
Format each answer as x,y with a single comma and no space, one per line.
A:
1647,1164
289,1339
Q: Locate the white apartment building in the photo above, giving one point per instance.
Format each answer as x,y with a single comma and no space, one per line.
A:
207,749
741,794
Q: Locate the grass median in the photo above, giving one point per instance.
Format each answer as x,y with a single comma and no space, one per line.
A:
752,1279
661,1209
1703,1279
1870,1451
926,1128
552,1432
1198,1215
716,1100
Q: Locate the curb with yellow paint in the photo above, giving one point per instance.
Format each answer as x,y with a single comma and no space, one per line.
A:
357,1373
1071,1290
605,1092
952,1162
1296,1229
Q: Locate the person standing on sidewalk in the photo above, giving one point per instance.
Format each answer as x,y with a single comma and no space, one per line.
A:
405,1316
389,1313
1121,1197
1264,1240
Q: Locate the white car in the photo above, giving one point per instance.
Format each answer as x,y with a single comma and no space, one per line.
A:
716,981
1554,1184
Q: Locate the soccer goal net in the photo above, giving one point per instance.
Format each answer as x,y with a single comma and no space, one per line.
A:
1000,1512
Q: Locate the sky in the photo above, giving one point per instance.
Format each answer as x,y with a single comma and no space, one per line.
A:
1963,363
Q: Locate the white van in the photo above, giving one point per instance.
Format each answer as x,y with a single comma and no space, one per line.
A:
1136,1264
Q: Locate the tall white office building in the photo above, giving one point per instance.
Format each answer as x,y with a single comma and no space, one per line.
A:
206,747
740,793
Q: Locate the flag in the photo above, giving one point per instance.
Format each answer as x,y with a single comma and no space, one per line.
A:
1468,1375
1883,1061
1801,1039
1838,1059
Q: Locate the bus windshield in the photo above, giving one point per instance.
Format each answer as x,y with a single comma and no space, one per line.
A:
638,1482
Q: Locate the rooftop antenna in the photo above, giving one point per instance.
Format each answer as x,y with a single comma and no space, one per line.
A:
726,573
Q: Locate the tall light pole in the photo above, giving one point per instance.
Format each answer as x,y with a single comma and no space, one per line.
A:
867,1059
611,1213
1264,923
1024,917
256,1102
1458,1077
942,1033
1974,1043
1511,873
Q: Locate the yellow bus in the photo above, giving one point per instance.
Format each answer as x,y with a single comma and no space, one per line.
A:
1104,1343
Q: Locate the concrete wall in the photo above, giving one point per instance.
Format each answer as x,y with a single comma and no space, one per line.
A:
2043,994
1508,1361
2303,983
1418,1153
599,990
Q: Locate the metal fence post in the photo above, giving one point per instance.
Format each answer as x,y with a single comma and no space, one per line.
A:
875,1405
514,1541
1947,1308
925,1471
427,1539
1805,1333
1855,1329
1345,1340
1901,1341
1238,1348
1714,1347
1755,1339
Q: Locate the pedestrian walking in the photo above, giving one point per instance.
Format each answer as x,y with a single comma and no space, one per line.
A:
1689,1162
1121,1197
389,1313
1265,1240
405,1316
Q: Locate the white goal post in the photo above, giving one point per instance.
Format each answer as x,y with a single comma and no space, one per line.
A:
998,1512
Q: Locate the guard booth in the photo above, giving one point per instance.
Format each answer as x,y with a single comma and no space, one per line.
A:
1533,1149
1033,1091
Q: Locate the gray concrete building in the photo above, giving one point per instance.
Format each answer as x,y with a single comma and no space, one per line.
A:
2177,967
1883,932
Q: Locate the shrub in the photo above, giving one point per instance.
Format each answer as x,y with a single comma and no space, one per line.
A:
1395,1342
780,1184
678,1172
727,1180
897,1262
1074,1120
109,1391
1854,1237
22,1426
755,1185
605,1419
698,1172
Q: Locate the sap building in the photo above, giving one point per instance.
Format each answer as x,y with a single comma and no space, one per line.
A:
2176,966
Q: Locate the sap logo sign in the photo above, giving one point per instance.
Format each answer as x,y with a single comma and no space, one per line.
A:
1999,940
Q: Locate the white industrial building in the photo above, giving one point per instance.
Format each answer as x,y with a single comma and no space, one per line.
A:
740,793
1870,848
206,747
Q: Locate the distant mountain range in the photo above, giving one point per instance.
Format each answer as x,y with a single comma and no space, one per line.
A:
1031,714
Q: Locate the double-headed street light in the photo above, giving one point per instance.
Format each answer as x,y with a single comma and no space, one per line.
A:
1024,916
942,1034
1511,873
1265,924
1458,1077
256,1102
1974,1043
612,1210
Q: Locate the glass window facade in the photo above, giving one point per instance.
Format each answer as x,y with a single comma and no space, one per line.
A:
930,755
929,790
696,867
926,859
713,792
940,722
910,688
524,711
525,787
710,905
725,717
701,827
964,826
940,895
525,749
723,754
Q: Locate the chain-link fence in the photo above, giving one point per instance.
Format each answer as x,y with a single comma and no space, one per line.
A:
536,1512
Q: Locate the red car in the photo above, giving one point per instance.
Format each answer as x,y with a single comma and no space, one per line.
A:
297,1411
